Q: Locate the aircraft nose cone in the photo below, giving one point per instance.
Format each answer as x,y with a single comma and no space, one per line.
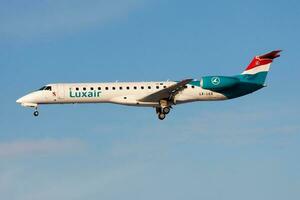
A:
19,100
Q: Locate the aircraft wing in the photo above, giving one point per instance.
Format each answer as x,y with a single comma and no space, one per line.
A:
167,93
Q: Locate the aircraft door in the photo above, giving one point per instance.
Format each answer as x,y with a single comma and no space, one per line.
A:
60,92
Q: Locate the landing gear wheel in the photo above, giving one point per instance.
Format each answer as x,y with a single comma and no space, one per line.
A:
166,110
161,116
36,113
158,110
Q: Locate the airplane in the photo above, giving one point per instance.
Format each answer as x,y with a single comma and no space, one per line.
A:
161,95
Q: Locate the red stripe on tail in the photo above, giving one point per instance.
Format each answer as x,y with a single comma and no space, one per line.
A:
263,59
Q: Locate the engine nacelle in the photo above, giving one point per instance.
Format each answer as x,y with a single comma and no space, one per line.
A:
218,83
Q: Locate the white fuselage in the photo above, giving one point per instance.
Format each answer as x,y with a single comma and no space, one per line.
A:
160,95
125,93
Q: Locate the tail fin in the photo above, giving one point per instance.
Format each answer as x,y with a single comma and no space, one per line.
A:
258,68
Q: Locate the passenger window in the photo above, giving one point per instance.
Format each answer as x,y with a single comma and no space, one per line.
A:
77,89
165,86
142,87
99,88
135,87
84,88
106,88
120,88
113,88
127,88
193,86
157,87
185,86
92,88
149,87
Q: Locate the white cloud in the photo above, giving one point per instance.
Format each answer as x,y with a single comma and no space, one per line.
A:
41,146
54,17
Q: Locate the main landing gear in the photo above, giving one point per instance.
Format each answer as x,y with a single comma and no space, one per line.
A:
166,110
163,109
162,112
161,116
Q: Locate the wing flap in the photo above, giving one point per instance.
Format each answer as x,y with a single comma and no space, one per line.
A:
167,93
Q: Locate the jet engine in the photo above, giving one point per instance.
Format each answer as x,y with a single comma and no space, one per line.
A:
218,83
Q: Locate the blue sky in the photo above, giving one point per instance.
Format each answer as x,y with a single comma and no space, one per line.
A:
246,148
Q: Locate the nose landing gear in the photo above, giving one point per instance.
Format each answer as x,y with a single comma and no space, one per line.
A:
36,113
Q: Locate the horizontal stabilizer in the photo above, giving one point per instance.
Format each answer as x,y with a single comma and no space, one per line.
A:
272,55
261,63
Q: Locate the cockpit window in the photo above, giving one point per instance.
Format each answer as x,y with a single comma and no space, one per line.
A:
42,88
49,88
